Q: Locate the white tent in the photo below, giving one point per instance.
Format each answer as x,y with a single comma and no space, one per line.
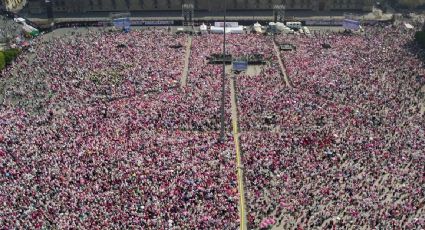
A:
408,26
203,28
306,30
229,30
257,27
19,20
280,26
30,30
217,30
27,28
235,30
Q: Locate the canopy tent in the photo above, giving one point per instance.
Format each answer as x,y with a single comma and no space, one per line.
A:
306,30
257,27
30,30
203,28
280,26
217,30
229,30
272,28
235,30
408,26
19,20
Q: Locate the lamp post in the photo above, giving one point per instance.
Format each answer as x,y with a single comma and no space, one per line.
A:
223,79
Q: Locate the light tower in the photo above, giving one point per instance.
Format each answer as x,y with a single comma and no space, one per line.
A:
279,12
49,9
223,80
188,13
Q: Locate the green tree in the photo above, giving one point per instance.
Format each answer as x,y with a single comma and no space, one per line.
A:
420,38
10,55
2,61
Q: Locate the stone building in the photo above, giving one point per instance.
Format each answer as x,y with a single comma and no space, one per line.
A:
13,5
85,6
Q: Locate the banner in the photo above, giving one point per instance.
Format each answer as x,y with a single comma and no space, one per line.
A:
151,23
240,65
122,23
349,24
228,24
323,23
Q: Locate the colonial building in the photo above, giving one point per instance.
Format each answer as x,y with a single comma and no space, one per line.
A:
76,6
13,5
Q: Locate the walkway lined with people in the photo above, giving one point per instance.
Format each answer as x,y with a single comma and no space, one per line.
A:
239,165
281,64
186,62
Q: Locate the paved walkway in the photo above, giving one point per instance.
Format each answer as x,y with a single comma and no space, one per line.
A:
239,165
282,67
422,105
183,81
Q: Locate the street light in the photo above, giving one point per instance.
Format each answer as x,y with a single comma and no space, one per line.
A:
223,78
279,13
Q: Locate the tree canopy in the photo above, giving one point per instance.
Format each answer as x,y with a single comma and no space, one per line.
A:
10,55
7,56
420,38
2,61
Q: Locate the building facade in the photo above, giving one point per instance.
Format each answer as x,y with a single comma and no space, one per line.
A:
13,5
84,6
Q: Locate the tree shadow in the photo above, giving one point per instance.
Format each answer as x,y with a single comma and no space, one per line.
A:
413,48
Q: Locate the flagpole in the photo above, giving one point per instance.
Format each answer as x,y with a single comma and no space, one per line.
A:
223,78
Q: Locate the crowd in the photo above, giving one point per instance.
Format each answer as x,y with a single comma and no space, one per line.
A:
96,132
344,147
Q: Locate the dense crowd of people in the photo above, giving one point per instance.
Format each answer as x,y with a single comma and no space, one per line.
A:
107,139
97,132
344,147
